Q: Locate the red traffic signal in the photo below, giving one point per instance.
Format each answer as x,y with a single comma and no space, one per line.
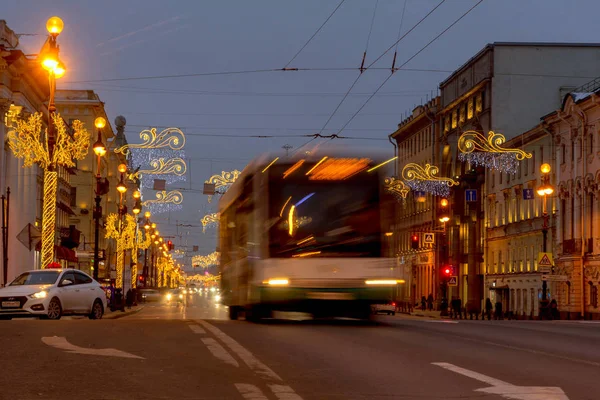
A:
414,242
170,245
447,271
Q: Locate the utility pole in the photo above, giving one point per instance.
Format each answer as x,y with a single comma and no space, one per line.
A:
287,149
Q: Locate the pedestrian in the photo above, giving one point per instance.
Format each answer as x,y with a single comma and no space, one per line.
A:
554,309
498,313
488,308
430,302
423,303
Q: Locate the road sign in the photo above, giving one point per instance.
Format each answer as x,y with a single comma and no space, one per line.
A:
453,281
545,269
28,236
428,238
544,259
555,278
527,194
470,195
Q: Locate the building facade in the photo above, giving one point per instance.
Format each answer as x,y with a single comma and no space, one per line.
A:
415,141
504,88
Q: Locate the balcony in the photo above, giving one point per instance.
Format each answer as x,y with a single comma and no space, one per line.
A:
573,246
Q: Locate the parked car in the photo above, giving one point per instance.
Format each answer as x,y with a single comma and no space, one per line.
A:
386,308
52,293
150,295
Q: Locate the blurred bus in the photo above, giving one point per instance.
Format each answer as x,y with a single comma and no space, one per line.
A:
307,233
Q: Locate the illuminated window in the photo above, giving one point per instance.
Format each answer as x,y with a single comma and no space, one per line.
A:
454,118
447,123
461,114
479,102
470,108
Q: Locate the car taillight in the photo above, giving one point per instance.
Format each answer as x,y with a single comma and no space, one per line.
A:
394,304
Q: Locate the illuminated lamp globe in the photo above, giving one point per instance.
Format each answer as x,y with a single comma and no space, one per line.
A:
99,148
444,202
136,209
548,190
152,236
59,70
55,25
156,242
545,168
157,233
50,62
100,122
137,194
421,199
160,239
147,227
147,214
121,187
122,168
444,219
153,225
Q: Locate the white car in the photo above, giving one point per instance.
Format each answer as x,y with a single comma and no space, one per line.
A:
52,293
386,308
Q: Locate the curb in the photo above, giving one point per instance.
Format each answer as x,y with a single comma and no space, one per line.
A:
121,314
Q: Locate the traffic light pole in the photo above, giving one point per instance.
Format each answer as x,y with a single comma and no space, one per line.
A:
97,215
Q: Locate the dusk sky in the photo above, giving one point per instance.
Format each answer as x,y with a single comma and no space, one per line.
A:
109,45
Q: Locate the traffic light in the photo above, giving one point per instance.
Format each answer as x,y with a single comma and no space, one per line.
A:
414,241
170,245
447,270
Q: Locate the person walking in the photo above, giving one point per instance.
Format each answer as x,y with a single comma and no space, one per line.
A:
488,308
430,302
423,303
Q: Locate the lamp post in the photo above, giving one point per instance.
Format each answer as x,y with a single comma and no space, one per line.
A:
147,230
444,217
137,208
545,190
100,151
122,189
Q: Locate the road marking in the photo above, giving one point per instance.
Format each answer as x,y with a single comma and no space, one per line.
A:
284,392
505,389
219,352
197,329
441,321
252,362
60,342
250,392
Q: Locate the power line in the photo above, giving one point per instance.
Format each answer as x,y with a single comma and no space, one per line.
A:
410,59
247,128
315,34
133,78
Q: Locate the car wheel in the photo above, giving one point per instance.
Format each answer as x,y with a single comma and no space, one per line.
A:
233,313
393,312
54,309
97,310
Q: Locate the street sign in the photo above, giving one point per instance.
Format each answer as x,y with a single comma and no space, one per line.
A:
28,236
527,194
555,278
428,238
544,269
544,259
453,281
470,195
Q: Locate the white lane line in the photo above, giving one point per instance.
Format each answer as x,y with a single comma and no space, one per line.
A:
252,362
250,392
197,329
219,352
507,390
60,342
284,392
471,374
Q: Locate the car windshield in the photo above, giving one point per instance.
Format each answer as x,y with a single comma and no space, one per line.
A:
36,278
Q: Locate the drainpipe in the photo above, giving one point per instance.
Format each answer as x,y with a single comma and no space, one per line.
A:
583,120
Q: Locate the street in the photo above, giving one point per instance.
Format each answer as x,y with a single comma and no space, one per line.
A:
192,352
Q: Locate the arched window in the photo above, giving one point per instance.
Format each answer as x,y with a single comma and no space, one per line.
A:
593,291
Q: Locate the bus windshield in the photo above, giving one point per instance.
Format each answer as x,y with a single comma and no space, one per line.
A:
324,218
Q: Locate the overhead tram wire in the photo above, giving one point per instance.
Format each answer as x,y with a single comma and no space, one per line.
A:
359,75
314,34
407,61
399,32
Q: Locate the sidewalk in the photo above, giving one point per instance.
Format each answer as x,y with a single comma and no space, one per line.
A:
120,314
427,314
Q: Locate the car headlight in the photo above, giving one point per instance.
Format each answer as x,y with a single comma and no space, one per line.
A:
181,296
39,295
218,297
169,296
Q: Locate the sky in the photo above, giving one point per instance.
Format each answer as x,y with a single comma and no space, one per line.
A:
109,45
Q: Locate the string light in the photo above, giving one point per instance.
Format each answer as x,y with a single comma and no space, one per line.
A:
173,138
397,187
426,179
207,260
209,220
476,149
223,182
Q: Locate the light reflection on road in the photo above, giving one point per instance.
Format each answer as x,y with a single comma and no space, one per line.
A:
195,305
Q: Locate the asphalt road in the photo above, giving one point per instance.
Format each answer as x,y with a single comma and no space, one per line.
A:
191,351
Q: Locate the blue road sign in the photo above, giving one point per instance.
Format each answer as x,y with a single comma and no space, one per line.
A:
527,194
418,193
470,195
453,281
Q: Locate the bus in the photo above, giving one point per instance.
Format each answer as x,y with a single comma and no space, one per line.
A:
307,233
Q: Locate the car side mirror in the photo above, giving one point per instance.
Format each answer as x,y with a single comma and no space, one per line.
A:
66,282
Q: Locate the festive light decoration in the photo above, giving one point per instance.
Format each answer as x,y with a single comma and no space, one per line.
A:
477,149
26,141
163,197
223,182
206,261
176,166
206,279
397,187
172,138
124,233
425,179
209,220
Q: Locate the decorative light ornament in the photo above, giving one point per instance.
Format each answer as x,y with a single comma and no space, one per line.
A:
162,197
425,179
176,166
223,182
207,260
172,138
125,235
209,220
396,187
26,141
476,149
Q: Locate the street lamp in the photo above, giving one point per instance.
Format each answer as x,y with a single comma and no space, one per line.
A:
100,151
544,191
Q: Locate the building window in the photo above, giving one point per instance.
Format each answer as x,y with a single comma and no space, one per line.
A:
593,291
479,102
470,108
461,114
454,118
73,196
447,123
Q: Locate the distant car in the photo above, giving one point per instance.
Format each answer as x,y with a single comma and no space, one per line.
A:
174,296
52,293
386,308
149,295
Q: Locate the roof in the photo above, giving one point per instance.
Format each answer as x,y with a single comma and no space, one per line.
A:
490,46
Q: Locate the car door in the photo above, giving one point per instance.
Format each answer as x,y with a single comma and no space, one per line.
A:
86,293
67,291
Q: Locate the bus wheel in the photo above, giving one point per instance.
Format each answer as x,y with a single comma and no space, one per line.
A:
233,312
257,313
